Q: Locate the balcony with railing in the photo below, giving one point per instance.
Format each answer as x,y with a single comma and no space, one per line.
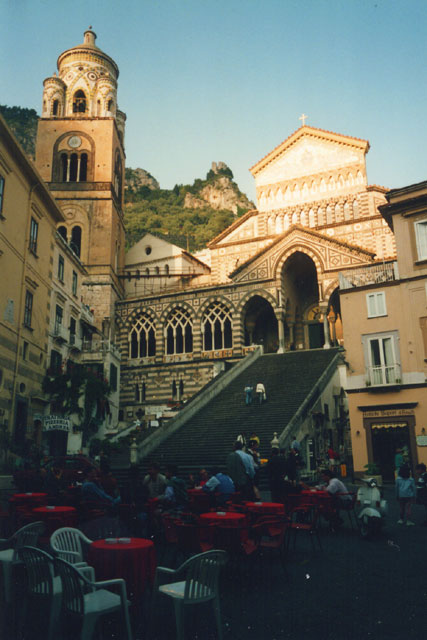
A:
75,342
60,332
369,275
99,347
383,375
86,315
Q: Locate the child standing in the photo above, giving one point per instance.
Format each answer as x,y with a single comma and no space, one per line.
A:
405,493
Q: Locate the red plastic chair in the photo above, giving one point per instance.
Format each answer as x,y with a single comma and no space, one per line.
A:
307,522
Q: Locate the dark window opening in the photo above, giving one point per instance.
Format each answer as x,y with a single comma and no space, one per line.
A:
34,230
134,344
76,240
73,167
64,165
62,232
55,107
79,102
28,310
83,168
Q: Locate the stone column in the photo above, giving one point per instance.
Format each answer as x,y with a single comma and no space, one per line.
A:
281,331
323,309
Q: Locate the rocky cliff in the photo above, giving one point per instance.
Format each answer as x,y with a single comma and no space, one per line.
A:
220,192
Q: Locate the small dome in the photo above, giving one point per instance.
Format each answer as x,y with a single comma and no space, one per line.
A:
88,45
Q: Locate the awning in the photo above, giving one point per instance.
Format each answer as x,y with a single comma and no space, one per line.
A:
389,425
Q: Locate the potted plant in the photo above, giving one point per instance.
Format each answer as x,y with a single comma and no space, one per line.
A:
372,470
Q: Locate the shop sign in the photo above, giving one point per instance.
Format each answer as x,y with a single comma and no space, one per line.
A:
422,441
56,423
388,413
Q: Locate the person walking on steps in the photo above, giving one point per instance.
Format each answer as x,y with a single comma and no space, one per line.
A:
405,493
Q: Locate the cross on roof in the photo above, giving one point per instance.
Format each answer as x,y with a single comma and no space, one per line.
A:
303,117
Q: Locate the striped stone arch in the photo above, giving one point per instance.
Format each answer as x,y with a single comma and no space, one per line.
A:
133,316
330,289
278,267
174,305
219,298
256,292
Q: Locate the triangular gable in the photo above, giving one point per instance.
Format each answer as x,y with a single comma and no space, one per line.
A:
308,152
242,226
333,254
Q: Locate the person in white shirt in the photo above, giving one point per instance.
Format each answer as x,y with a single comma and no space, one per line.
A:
340,494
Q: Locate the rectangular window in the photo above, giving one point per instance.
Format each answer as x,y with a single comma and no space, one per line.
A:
34,232
74,284
55,361
382,358
25,350
113,376
61,268
421,238
72,330
1,195
376,304
59,314
28,311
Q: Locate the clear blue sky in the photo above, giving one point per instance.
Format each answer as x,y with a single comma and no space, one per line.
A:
204,80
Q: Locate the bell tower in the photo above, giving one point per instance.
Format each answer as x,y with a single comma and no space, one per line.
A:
80,154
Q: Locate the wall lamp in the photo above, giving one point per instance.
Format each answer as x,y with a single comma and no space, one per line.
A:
357,433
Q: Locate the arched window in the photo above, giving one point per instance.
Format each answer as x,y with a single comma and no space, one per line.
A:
55,108
347,212
312,218
167,268
73,167
83,168
62,232
355,209
64,165
216,327
110,105
337,212
179,332
79,102
76,240
142,338
329,215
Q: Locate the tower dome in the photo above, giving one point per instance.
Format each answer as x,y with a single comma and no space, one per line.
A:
86,85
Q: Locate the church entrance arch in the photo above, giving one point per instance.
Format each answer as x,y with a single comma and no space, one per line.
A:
260,324
301,290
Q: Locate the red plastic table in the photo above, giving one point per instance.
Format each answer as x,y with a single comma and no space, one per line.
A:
135,561
27,500
55,518
231,518
266,508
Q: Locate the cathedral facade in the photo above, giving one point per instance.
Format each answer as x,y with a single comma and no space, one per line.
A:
271,278
171,319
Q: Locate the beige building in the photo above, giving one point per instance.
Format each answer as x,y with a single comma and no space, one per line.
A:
271,278
384,310
28,219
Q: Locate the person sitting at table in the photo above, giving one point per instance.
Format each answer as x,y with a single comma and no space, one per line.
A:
53,483
339,493
221,485
92,492
276,471
241,470
106,479
155,482
175,495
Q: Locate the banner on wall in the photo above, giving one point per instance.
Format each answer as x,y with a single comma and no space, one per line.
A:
56,423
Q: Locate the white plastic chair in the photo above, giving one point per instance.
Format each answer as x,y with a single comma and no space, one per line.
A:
43,588
199,584
27,535
88,600
67,544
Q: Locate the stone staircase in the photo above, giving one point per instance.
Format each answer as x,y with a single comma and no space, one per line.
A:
292,383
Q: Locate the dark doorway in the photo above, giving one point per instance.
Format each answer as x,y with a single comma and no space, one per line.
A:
56,442
20,423
260,324
316,335
301,289
385,441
